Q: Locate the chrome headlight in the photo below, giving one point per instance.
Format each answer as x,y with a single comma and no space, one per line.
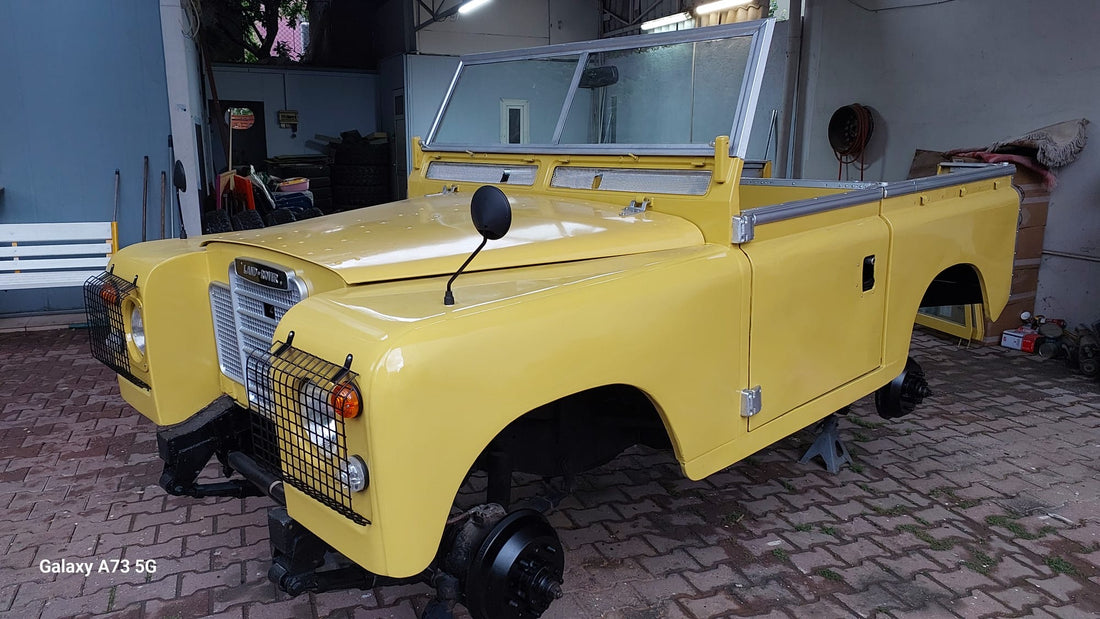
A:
137,329
318,417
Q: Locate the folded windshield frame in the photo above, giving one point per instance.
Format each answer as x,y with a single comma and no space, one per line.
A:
759,31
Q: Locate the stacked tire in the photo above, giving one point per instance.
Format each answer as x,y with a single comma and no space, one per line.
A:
247,220
216,222
322,193
361,174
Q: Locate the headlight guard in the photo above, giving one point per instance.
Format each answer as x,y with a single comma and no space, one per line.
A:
104,296
299,433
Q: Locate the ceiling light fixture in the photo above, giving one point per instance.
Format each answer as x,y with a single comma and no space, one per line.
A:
472,5
666,21
720,5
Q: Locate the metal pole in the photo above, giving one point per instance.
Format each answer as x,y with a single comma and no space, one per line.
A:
117,178
172,162
144,197
772,127
163,208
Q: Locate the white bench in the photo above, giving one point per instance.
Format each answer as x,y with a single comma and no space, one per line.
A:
54,255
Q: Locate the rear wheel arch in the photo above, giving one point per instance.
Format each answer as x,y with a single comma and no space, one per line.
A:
959,284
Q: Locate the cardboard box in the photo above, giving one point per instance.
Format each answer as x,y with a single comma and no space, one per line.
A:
1025,281
1029,182
1029,242
1033,212
1022,338
1009,319
926,163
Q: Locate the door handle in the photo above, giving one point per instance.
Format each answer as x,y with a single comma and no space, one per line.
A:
868,273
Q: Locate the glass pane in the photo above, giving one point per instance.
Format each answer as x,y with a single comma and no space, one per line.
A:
685,93
645,105
471,116
950,313
514,133
719,71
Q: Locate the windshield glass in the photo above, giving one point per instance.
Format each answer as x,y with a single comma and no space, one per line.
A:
674,93
528,94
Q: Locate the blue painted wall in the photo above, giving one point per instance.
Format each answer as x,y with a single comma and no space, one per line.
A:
82,92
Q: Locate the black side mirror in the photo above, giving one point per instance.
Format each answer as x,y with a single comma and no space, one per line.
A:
491,212
492,216
179,176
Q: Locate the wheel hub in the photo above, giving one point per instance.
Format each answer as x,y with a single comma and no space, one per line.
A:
902,395
517,571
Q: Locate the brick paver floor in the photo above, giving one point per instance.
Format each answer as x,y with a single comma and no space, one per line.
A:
986,502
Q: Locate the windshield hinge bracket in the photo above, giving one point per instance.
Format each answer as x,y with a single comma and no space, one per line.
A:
634,208
447,189
743,227
750,401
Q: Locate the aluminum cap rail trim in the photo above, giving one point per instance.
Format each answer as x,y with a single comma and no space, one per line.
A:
969,175
872,191
810,206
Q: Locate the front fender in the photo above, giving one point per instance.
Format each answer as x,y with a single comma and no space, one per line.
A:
180,364
440,382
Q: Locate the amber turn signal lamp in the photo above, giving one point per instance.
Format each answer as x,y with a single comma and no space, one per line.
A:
345,401
109,294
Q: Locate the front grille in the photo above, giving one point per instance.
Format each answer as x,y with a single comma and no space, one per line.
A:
296,433
245,316
225,332
257,329
103,297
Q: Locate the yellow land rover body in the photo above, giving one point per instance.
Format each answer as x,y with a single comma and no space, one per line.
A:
653,287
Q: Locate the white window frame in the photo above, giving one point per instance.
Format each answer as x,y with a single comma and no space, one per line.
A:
524,106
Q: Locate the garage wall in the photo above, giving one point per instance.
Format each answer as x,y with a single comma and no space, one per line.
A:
84,93
328,102
510,24
961,74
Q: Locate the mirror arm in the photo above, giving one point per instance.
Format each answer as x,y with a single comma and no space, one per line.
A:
179,181
448,297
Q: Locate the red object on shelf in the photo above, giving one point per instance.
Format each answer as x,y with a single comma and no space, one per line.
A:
241,188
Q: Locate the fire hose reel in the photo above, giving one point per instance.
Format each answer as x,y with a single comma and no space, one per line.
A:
850,130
